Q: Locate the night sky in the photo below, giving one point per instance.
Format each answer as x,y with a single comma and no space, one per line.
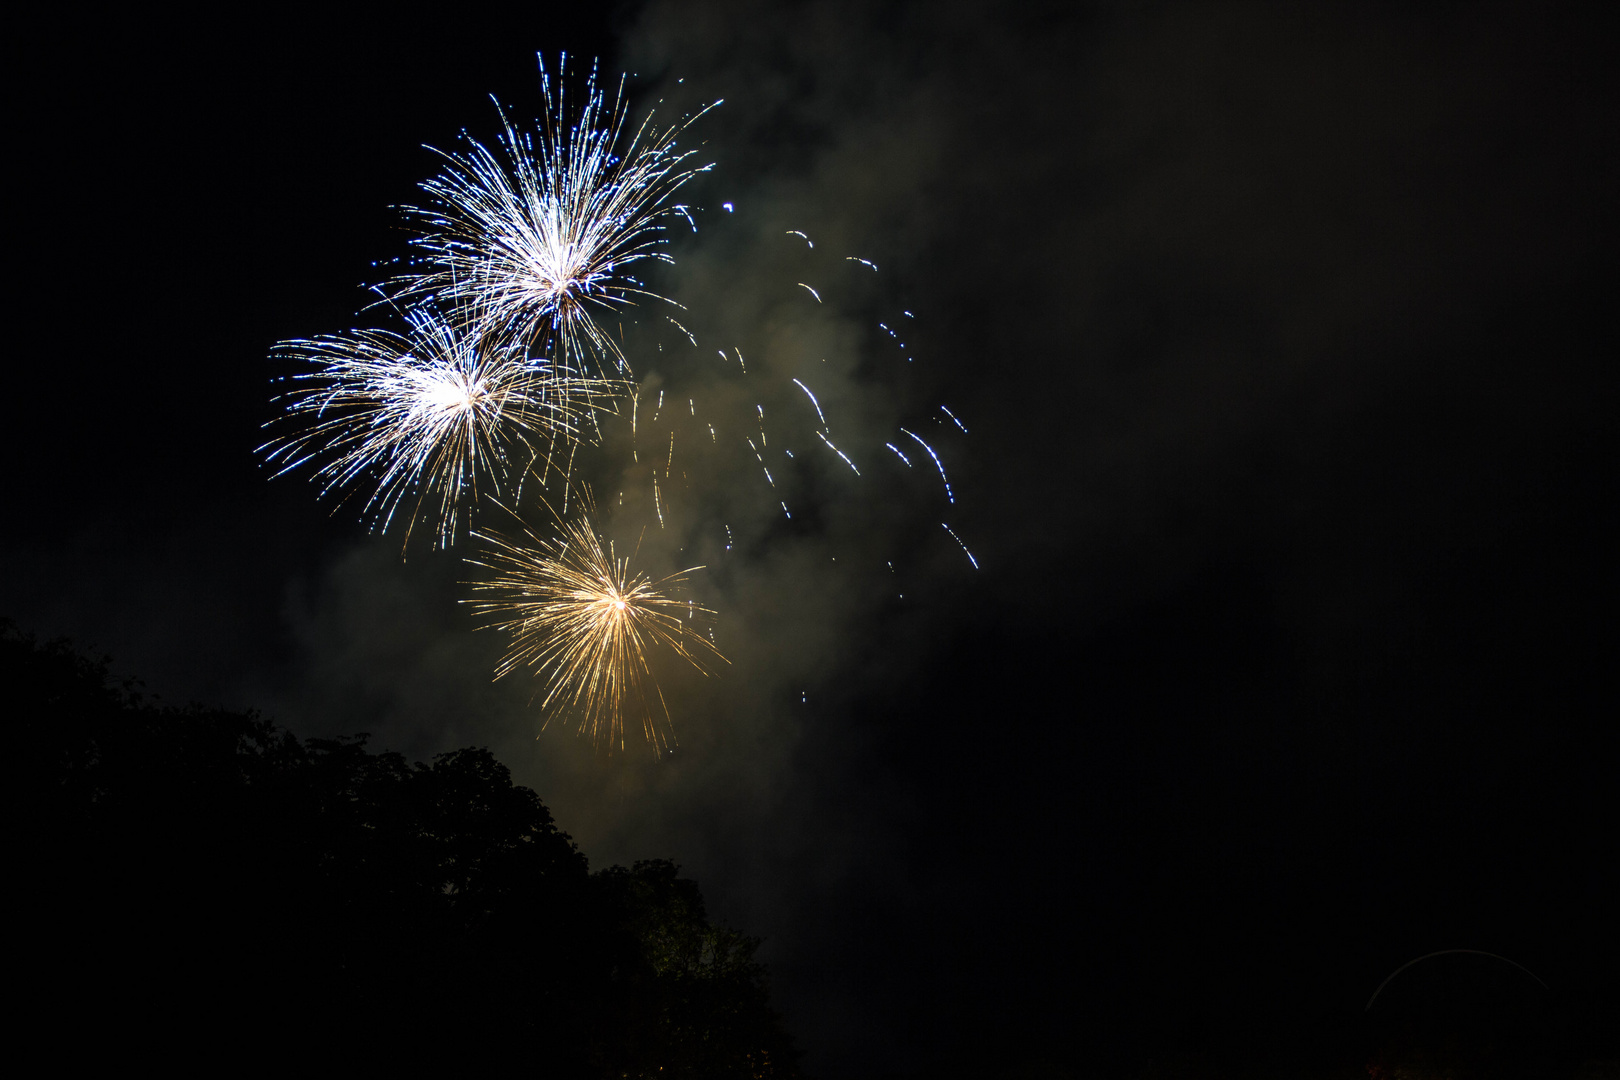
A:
1288,373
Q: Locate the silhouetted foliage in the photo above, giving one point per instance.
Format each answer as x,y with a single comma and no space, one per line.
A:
196,870
696,999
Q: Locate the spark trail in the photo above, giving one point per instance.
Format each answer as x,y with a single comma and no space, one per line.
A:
937,463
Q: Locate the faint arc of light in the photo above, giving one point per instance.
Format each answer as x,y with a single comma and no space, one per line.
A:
1449,952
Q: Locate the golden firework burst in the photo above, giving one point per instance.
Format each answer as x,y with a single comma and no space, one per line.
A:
582,619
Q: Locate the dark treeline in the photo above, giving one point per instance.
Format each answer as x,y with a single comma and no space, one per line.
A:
197,878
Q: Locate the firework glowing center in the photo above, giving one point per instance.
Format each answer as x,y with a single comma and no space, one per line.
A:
453,393
611,608
556,255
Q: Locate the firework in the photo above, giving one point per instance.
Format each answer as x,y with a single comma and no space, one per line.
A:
785,449
580,617
539,234
433,419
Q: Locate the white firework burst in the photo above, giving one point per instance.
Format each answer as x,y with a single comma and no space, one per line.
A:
432,419
540,234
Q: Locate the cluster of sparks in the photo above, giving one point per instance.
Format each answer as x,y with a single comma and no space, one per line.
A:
575,610
434,419
540,234
775,453
504,363
503,368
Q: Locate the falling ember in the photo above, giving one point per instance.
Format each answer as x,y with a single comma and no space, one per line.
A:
579,618
958,539
813,401
937,464
689,335
840,453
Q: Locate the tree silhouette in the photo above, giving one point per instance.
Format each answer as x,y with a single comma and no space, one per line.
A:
698,1002
195,871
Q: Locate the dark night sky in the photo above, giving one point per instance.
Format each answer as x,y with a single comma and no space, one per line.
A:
1281,339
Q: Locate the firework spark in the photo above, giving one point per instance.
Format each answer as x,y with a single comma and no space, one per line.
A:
578,616
938,464
434,418
537,233
958,539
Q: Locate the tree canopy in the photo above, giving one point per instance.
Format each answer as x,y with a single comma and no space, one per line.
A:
195,872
